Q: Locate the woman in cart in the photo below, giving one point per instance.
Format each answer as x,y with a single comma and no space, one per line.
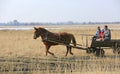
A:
97,33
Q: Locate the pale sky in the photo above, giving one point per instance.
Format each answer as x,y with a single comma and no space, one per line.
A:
60,10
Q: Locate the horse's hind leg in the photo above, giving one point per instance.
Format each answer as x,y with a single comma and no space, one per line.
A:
67,50
70,50
47,50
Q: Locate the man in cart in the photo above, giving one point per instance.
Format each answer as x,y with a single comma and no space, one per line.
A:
107,34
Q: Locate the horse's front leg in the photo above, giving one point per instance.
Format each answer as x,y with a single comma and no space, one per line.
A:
47,50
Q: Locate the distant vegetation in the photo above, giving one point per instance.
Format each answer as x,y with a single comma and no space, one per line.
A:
16,23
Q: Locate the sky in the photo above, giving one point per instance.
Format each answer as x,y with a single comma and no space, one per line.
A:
60,10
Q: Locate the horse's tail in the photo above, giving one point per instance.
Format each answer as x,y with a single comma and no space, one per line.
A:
73,40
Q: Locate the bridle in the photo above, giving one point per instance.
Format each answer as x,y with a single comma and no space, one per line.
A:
43,34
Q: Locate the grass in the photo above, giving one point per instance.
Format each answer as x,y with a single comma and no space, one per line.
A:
21,54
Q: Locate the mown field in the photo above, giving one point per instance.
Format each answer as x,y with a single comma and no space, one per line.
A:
21,54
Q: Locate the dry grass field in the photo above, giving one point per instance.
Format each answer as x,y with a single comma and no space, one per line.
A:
21,54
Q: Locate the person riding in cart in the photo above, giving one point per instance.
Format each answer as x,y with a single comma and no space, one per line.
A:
107,34
101,36
97,33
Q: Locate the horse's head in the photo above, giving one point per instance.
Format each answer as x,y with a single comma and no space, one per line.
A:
39,32
36,33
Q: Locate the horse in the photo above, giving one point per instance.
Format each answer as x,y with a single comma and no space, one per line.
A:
56,39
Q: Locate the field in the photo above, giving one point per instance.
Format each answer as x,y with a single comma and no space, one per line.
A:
21,54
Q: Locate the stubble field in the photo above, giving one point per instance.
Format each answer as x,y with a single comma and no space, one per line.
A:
21,54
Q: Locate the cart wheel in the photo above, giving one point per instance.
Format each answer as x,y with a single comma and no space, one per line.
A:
102,52
99,52
94,49
116,51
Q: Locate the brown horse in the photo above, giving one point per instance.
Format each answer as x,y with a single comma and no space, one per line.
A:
56,39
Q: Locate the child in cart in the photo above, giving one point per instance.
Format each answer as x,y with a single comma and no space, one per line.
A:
101,36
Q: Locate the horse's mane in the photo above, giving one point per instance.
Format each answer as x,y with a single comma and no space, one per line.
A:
43,29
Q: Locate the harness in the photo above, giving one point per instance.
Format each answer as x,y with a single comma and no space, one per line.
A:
46,38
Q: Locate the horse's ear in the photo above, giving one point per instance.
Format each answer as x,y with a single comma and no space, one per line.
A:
35,28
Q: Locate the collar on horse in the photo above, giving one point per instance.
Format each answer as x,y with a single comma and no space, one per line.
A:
46,36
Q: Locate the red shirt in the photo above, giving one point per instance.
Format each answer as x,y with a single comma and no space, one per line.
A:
101,35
